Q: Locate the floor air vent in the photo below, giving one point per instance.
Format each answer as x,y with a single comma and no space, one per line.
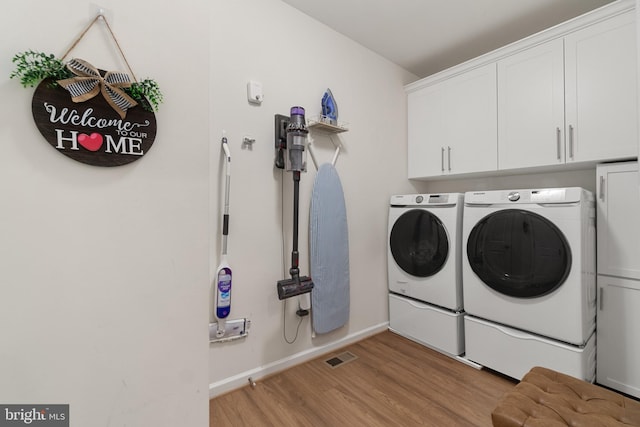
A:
340,359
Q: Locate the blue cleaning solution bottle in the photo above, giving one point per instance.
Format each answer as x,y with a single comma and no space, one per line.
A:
223,290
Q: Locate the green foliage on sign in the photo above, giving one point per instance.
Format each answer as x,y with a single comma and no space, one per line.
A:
33,67
146,89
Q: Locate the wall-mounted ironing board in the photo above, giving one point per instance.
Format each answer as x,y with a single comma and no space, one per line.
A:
329,238
329,263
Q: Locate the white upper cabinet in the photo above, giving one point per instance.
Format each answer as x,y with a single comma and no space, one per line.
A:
452,125
425,132
601,91
565,96
570,100
531,107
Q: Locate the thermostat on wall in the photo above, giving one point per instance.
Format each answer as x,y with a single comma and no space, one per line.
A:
254,92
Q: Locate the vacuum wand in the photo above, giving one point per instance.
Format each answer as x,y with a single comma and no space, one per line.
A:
296,139
295,270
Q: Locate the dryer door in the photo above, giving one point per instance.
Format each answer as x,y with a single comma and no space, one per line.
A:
419,243
519,253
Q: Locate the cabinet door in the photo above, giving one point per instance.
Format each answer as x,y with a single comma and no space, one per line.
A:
531,107
452,125
425,132
470,105
618,349
618,216
601,91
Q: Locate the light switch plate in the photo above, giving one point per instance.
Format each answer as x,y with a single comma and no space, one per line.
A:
254,92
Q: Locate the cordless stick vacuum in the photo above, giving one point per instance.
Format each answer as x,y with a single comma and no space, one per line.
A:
296,140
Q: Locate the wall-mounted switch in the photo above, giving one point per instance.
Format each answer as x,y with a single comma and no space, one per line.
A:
254,92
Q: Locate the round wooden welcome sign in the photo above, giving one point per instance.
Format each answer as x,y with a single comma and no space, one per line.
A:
91,132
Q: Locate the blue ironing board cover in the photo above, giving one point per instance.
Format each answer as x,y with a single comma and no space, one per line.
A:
329,242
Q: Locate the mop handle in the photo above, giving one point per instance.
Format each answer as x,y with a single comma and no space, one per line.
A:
225,217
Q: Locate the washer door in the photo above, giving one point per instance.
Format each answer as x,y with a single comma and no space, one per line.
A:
519,253
419,243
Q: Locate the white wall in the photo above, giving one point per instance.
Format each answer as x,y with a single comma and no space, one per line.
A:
104,272
296,59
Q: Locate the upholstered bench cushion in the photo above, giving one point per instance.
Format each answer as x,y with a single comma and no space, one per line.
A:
549,398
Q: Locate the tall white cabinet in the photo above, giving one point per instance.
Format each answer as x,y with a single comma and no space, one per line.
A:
618,315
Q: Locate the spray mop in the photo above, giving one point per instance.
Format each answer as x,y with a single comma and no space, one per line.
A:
224,274
295,162
223,329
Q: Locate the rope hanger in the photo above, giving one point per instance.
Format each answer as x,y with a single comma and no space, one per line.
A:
104,18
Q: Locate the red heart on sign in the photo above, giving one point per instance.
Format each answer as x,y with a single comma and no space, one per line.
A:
91,142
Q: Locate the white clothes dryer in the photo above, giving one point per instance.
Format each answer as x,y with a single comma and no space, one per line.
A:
424,267
425,247
529,261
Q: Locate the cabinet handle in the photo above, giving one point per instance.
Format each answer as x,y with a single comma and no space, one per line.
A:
601,297
601,193
558,142
442,158
449,157
571,141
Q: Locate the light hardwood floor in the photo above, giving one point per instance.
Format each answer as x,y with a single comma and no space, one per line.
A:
393,382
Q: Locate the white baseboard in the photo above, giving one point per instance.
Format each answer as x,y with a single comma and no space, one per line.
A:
244,378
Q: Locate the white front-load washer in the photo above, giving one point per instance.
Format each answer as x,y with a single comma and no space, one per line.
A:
529,260
425,246
424,269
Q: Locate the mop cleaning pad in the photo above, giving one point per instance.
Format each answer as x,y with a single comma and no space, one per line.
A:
329,252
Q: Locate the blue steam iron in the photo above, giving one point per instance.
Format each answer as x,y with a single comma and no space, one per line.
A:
330,107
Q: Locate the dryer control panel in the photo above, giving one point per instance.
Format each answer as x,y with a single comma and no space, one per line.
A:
538,196
424,199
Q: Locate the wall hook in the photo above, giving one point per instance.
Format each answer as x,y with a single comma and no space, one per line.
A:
247,142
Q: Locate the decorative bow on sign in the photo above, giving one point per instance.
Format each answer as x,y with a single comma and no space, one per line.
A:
89,82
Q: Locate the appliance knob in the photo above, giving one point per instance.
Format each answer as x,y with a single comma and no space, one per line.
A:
514,196
419,199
